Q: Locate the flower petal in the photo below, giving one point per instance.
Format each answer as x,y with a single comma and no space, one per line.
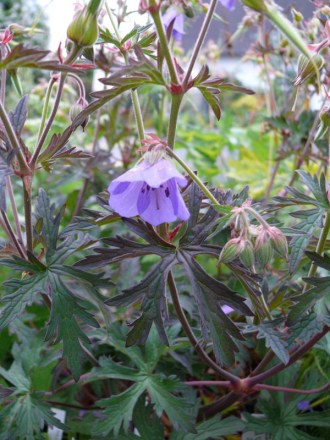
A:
144,198
160,172
229,4
125,203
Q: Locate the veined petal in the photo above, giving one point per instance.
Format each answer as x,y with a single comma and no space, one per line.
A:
229,4
160,172
133,175
125,203
144,198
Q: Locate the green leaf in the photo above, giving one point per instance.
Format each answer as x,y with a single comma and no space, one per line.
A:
25,419
153,307
63,324
119,410
213,429
24,293
210,294
50,222
273,338
311,220
211,97
147,423
110,370
180,410
316,186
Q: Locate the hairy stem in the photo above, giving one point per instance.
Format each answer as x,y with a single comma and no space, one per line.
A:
15,144
194,177
14,210
71,57
199,41
11,234
28,213
175,107
192,338
252,381
320,247
45,106
164,43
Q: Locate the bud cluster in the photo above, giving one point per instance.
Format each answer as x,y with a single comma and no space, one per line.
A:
253,242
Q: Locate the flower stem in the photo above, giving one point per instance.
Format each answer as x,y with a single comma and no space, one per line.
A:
192,338
199,41
24,167
175,107
45,107
194,177
164,43
14,209
134,94
11,234
320,246
71,57
28,213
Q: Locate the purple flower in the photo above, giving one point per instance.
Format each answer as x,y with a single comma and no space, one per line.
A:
151,191
229,4
175,14
304,405
227,309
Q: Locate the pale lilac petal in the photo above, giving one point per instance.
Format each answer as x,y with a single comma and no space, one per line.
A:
160,172
119,188
160,209
171,14
229,4
125,203
133,175
144,198
227,309
179,207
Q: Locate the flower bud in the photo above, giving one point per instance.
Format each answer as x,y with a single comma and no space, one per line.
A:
247,254
324,123
78,107
306,68
297,16
188,11
279,241
230,251
84,30
257,5
263,248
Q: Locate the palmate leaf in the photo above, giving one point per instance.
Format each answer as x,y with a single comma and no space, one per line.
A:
63,324
153,308
274,338
212,429
22,56
210,294
25,418
24,294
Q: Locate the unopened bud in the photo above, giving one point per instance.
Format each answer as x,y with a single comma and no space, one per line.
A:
230,251
324,123
307,68
263,248
257,5
297,16
247,254
84,30
78,107
188,11
279,241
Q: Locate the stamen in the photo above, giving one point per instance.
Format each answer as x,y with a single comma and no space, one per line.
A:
167,192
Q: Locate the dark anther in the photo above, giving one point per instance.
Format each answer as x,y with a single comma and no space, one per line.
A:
148,188
167,192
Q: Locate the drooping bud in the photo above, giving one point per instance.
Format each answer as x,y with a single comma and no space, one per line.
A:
257,5
278,241
324,123
297,15
84,30
188,11
247,254
230,251
306,68
263,248
78,107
